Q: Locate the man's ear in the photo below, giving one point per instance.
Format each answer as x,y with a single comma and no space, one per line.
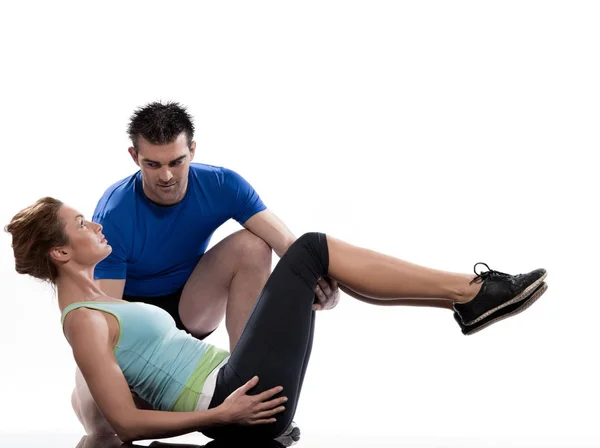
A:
134,155
192,150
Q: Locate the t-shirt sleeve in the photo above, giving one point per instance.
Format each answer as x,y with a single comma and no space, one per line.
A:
115,265
244,202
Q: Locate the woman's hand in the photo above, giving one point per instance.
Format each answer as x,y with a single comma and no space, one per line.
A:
242,409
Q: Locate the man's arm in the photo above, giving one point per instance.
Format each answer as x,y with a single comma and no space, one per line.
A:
275,233
272,230
264,224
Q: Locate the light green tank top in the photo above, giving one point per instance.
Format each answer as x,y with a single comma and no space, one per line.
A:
165,366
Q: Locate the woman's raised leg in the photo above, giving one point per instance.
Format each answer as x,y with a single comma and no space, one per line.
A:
477,299
275,344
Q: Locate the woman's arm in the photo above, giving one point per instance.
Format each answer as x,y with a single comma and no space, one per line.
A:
88,335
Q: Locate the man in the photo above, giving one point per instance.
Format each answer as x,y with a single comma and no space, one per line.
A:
159,222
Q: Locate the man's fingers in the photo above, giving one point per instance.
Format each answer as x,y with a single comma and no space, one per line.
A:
320,298
337,300
333,283
320,294
324,287
333,303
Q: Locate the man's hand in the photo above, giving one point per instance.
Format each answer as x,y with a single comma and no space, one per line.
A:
328,294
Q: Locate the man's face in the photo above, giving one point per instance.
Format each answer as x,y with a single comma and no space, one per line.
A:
164,168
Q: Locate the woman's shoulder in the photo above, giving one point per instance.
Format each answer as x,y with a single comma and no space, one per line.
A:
86,322
81,322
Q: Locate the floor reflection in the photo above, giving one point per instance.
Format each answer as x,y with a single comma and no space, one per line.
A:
114,442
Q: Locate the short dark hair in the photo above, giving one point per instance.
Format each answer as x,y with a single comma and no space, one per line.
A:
160,123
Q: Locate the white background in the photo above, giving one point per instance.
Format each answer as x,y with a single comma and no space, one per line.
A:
443,133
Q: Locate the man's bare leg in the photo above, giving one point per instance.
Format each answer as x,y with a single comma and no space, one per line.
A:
226,282
86,409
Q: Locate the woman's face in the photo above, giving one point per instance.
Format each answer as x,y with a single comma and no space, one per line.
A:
87,245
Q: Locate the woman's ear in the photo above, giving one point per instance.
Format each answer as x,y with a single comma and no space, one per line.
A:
61,254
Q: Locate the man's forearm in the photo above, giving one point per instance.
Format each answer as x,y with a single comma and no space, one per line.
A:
283,246
272,230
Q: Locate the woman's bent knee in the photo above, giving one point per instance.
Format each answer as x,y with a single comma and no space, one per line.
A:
312,246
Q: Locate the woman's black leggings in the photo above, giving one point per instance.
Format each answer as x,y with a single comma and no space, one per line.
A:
277,340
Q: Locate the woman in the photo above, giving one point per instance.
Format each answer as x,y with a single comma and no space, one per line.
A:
122,347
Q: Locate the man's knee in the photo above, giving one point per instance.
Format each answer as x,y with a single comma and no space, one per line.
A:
252,249
86,409
76,406
89,415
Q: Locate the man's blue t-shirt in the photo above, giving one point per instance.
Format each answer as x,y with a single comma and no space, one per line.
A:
155,248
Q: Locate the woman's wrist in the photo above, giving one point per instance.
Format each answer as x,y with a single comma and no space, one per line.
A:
219,416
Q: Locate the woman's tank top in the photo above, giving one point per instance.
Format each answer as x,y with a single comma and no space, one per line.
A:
165,366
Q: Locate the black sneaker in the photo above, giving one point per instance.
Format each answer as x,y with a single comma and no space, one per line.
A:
505,312
498,290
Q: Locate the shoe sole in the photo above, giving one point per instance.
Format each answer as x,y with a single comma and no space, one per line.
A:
521,296
525,305
291,438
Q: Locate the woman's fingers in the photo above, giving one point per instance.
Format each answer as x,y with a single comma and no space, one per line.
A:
270,413
271,404
249,385
263,421
269,393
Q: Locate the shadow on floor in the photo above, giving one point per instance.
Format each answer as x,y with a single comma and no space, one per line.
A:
114,442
